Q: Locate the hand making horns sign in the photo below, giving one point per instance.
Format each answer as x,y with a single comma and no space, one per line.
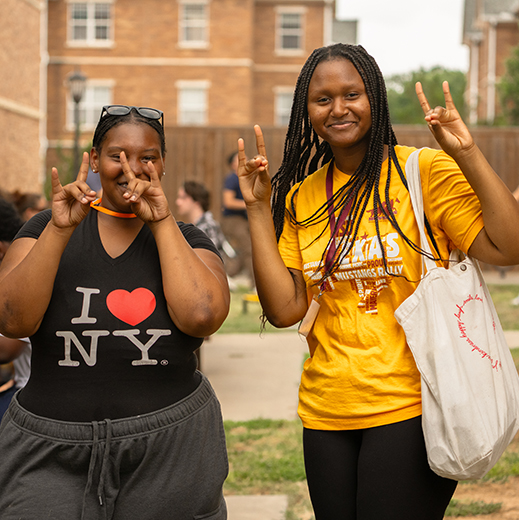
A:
146,197
493,244
71,203
445,123
254,173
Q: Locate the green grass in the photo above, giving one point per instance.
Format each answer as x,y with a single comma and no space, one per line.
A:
502,295
264,451
507,466
266,457
238,321
515,356
461,508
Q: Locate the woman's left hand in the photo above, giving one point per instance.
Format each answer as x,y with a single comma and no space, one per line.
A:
498,242
146,197
445,123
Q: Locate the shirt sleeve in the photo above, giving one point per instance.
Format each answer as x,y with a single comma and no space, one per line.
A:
35,226
450,202
196,238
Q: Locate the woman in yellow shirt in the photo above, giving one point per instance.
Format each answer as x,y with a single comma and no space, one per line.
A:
340,248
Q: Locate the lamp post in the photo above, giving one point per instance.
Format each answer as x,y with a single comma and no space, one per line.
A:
76,85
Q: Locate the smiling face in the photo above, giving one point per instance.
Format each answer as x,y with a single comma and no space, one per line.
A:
141,144
338,106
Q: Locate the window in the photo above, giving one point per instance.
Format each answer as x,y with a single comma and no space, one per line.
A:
194,24
95,97
90,24
283,106
290,30
192,102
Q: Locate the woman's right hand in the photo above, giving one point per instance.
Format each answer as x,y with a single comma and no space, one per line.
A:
71,203
253,174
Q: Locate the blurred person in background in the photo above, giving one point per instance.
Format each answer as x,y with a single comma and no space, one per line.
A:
28,204
15,354
235,225
192,202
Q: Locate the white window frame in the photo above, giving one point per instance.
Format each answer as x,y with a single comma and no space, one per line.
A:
280,31
183,114
281,113
90,23
183,25
89,108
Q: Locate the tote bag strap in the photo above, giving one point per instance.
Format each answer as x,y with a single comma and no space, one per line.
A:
414,185
427,225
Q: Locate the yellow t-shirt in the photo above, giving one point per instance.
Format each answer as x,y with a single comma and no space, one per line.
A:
361,373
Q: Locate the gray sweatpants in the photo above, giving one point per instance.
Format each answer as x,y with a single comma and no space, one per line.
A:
166,465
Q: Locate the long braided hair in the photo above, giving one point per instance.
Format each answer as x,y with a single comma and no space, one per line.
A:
305,152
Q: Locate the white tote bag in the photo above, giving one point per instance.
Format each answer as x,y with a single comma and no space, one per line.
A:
470,386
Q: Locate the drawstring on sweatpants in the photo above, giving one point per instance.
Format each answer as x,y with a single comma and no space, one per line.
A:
104,463
91,466
93,461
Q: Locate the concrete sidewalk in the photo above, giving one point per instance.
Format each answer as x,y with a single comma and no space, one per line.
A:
255,376
501,275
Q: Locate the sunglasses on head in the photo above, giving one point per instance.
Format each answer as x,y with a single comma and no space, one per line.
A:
123,110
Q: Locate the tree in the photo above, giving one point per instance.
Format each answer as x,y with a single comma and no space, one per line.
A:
508,88
403,103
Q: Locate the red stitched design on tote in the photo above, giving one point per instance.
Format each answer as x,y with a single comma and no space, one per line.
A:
463,309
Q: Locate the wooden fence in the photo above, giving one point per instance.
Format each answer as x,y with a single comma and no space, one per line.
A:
200,153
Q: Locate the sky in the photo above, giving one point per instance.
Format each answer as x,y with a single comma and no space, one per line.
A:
405,35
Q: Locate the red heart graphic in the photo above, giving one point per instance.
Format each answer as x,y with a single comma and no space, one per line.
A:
131,307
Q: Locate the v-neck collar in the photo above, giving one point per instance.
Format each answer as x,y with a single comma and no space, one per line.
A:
101,249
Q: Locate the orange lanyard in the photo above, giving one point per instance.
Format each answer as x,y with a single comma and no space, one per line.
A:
96,205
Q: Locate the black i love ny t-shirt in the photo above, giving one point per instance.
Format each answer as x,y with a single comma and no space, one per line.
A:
107,347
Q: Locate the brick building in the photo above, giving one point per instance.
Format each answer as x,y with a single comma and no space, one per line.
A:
203,62
490,30
22,94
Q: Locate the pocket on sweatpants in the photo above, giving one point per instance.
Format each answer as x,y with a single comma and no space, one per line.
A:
218,514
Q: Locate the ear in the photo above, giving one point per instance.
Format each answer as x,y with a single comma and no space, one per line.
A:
162,172
94,160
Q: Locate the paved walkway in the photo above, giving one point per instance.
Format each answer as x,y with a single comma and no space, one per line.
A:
258,376
503,276
255,376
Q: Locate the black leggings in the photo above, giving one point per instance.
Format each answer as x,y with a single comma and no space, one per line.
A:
374,474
